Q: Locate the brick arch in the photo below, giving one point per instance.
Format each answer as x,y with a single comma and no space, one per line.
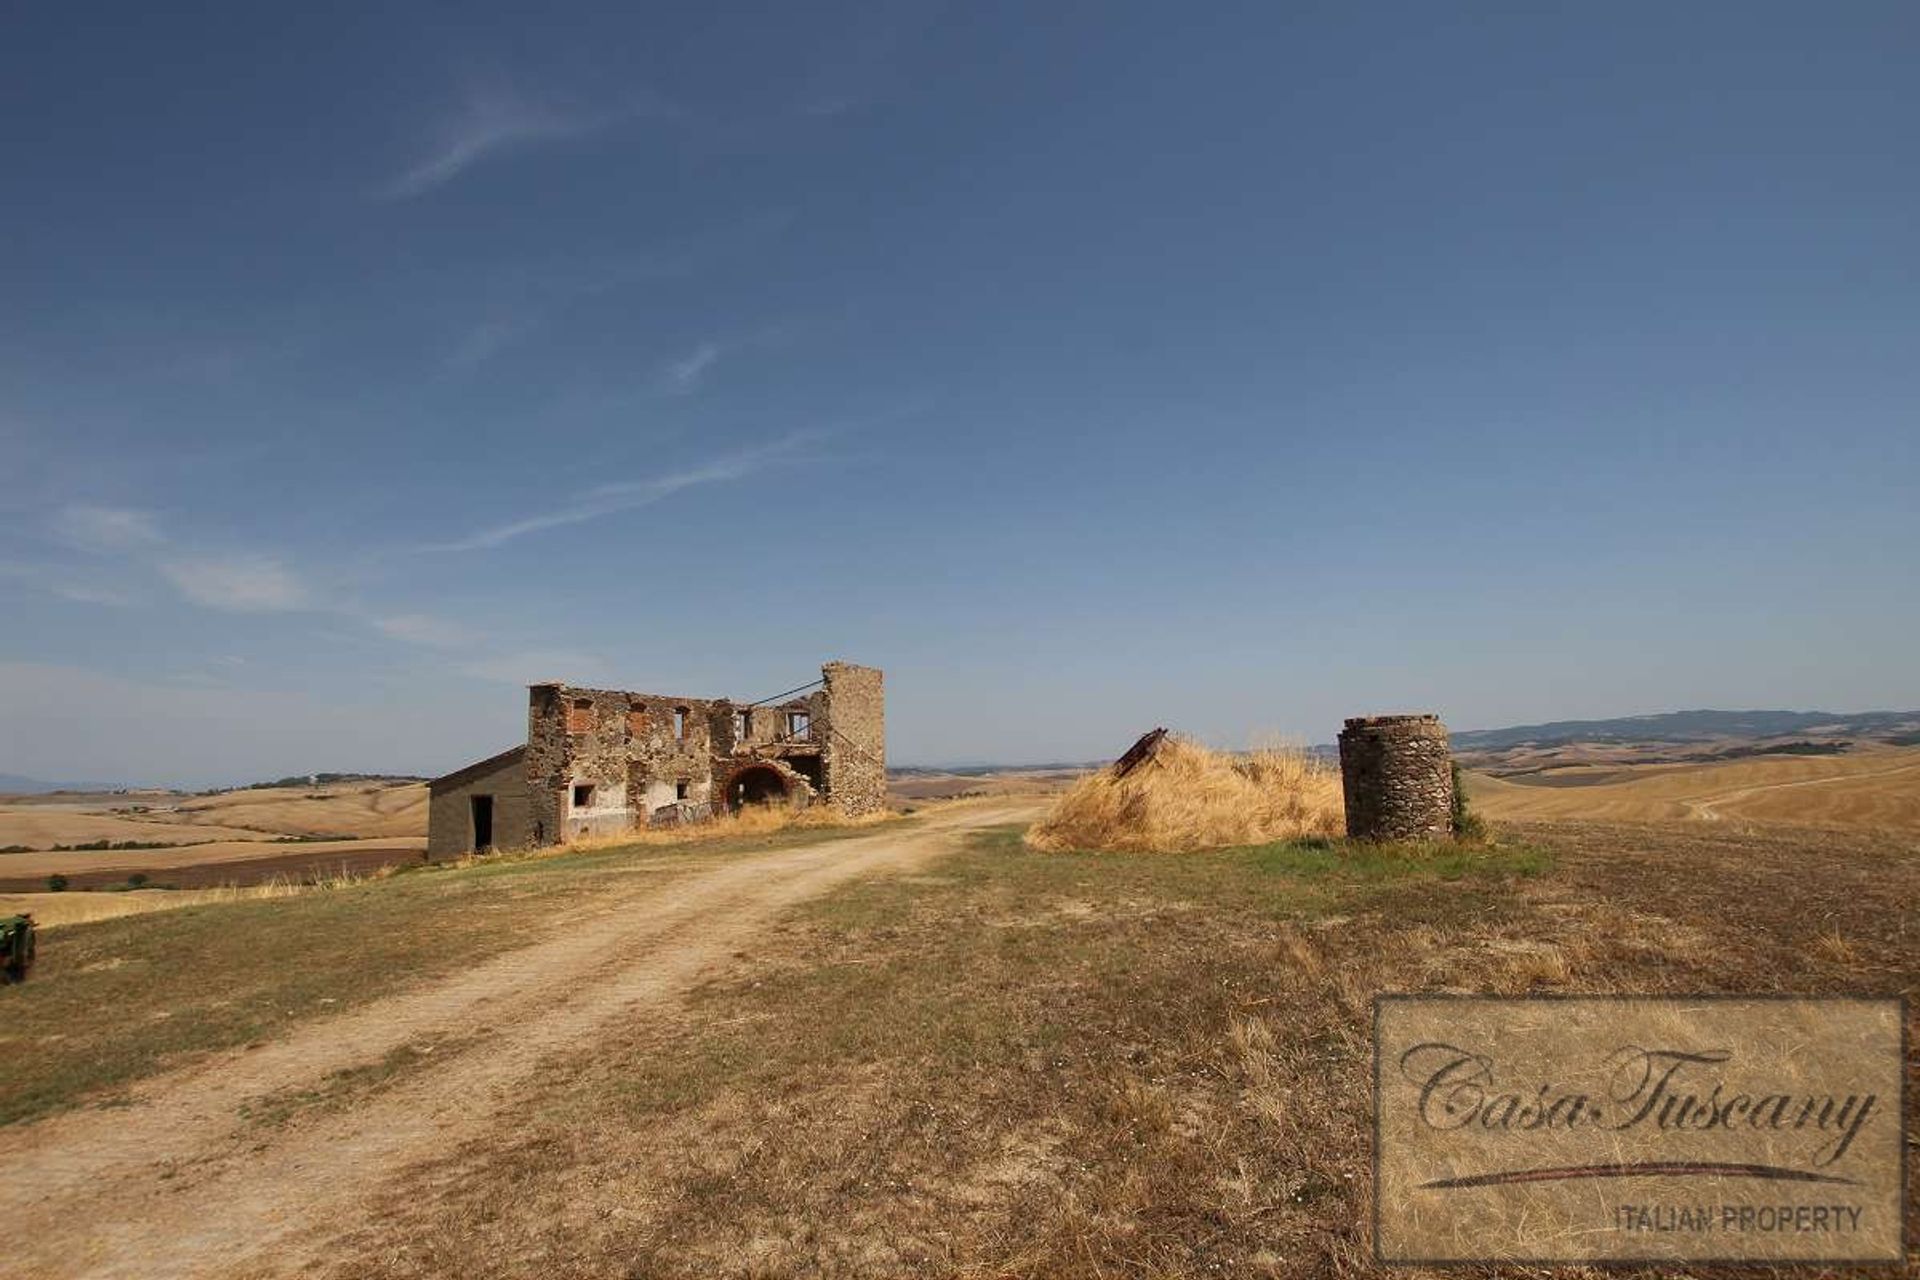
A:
756,774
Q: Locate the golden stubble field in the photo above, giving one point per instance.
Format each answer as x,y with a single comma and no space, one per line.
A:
1871,788
200,841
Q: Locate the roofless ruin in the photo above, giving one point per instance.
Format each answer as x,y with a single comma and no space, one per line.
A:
604,761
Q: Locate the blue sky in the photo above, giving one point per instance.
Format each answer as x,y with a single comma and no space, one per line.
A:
1088,367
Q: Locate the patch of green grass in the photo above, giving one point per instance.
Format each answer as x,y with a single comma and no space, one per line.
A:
1313,869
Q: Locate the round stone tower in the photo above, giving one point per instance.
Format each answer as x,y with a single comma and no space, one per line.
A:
1397,772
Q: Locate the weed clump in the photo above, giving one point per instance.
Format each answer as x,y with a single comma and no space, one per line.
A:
1467,825
1188,797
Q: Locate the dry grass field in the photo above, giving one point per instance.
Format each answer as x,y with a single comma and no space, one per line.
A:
252,836
361,809
1873,788
919,1049
42,826
364,809
207,865
56,910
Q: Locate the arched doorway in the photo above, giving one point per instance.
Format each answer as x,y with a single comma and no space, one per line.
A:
756,784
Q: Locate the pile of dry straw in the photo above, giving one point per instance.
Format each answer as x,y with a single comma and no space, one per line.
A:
1188,797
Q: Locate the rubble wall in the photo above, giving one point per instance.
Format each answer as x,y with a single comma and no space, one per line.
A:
1397,774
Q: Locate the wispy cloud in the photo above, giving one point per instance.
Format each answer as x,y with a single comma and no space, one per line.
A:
422,629
533,665
607,499
235,582
82,593
105,529
57,580
239,583
490,337
683,376
491,119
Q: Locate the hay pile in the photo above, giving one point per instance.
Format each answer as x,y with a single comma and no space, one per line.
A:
1188,797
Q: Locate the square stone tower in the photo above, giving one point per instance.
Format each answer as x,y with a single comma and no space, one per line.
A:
854,752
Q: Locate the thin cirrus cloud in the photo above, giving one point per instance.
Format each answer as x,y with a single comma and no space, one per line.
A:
684,375
531,666
238,583
422,629
609,499
82,593
235,582
101,528
257,583
490,121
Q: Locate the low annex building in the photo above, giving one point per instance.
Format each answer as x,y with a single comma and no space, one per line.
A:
603,761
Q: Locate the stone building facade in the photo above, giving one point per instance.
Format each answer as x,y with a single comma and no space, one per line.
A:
1397,776
603,761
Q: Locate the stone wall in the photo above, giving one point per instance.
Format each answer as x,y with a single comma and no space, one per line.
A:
1397,773
633,749
854,752
642,754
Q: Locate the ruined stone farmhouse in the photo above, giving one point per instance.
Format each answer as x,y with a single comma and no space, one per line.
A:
603,761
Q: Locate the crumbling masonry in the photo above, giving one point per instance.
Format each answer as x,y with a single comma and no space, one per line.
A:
603,761
1397,774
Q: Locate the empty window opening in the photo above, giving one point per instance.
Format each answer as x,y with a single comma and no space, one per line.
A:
580,716
798,724
583,795
482,809
680,722
742,725
681,788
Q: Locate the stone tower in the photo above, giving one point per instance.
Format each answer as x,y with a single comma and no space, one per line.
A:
1397,773
854,751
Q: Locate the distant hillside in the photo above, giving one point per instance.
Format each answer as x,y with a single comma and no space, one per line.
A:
1694,726
328,779
14,784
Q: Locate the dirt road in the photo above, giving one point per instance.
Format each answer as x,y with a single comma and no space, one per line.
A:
181,1182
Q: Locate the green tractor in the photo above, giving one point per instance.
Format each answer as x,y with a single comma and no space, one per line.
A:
16,947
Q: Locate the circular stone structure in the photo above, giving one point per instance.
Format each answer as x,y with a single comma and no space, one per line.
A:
1397,773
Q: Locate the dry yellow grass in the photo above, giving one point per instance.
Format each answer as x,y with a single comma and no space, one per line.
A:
14,866
1188,797
1877,788
41,826
346,809
396,813
51,910
754,820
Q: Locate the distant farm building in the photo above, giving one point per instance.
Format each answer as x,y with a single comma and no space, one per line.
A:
603,761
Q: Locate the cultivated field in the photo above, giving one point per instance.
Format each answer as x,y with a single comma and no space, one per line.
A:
236,837
359,809
1871,788
920,1048
44,825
